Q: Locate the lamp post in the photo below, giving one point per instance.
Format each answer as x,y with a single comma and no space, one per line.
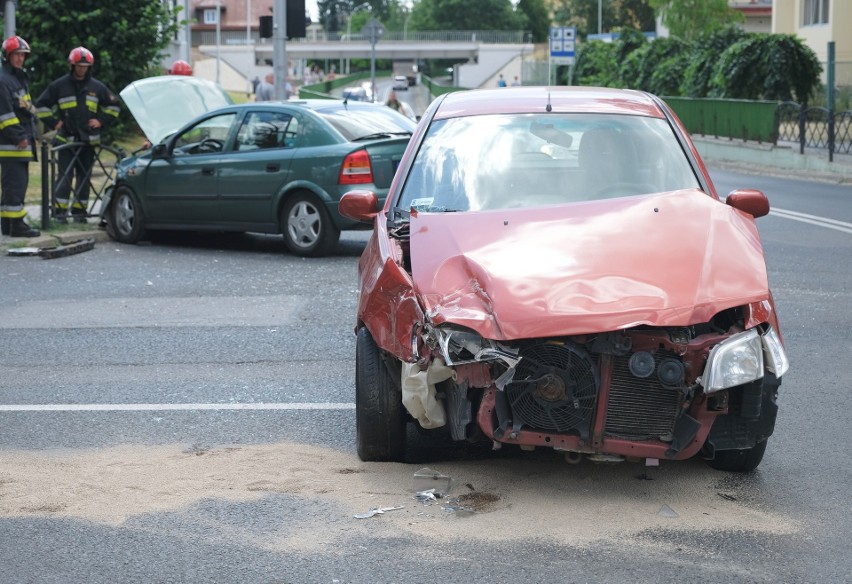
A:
349,26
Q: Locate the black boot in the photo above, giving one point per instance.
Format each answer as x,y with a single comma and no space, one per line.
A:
5,225
20,229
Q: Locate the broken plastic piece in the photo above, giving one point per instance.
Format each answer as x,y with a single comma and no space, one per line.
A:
375,511
652,462
666,511
426,496
458,510
426,479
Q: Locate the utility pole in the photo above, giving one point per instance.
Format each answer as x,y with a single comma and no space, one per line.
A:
9,19
279,49
374,31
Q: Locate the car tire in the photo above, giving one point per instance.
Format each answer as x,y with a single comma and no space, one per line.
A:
307,227
380,417
745,460
126,220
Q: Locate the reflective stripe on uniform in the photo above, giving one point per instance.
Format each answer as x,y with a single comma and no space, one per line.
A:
43,112
92,103
67,103
112,110
9,120
9,151
13,212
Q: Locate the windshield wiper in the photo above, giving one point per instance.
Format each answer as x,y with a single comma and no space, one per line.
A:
378,135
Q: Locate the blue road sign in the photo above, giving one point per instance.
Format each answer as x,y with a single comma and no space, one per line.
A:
562,44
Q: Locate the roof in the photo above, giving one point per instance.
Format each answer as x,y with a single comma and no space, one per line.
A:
561,99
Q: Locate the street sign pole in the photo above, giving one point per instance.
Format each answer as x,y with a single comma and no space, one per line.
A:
374,31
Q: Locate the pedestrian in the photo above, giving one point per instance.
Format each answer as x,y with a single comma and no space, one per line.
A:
79,108
393,101
501,82
17,138
266,89
516,82
254,83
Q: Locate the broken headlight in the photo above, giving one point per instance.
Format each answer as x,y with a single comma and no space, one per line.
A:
741,358
458,345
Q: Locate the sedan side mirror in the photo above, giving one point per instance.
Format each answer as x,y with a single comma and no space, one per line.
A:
359,205
159,151
750,201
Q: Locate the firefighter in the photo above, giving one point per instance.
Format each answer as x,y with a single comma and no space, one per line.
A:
79,108
17,138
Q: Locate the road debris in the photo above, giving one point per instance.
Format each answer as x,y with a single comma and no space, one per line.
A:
375,511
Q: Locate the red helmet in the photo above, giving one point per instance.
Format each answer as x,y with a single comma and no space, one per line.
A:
81,56
15,44
180,68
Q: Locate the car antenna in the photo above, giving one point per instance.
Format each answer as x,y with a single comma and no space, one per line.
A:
549,107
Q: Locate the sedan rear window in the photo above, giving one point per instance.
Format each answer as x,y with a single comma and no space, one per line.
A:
501,161
358,123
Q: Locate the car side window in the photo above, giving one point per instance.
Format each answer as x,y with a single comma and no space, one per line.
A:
207,137
264,130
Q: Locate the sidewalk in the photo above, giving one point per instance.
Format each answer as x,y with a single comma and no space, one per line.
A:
69,234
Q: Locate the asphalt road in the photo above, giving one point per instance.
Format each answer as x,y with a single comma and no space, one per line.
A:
181,412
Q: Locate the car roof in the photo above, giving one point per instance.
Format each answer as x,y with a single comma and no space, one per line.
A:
561,99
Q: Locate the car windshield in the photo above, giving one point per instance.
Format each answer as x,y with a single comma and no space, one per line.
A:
487,162
359,123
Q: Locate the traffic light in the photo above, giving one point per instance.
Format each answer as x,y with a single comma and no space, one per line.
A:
296,22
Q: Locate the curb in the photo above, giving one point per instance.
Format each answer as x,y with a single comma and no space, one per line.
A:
46,240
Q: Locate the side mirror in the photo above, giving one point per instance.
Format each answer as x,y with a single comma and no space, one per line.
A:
359,205
750,201
159,151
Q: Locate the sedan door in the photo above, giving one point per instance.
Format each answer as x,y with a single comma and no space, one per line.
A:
255,170
182,188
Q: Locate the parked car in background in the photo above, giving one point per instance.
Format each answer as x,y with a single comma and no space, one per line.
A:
268,167
553,268
400,83
355,94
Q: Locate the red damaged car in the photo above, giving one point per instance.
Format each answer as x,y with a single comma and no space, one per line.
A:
554,268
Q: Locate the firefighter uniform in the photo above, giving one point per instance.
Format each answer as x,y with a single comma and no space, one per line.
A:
75,102
17,129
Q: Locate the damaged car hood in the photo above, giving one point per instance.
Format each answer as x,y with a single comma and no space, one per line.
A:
161,105
670,259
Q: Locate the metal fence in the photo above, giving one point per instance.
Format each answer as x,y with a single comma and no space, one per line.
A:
814,127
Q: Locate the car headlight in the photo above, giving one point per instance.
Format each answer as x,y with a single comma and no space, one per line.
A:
734,361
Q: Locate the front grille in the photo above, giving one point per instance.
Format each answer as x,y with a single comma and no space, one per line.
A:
640,409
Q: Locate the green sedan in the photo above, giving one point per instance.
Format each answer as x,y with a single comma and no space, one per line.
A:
266,167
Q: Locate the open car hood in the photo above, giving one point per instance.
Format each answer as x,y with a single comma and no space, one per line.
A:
671,259
163,104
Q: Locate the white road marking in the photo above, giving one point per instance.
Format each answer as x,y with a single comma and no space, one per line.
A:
170,407
813,220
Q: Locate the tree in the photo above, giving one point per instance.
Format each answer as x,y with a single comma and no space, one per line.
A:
126,38
596,65
466,15
705,56
538,19
767,66
636,14
584,15
688,19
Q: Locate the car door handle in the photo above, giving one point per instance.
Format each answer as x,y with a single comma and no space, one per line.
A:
273,167
208,171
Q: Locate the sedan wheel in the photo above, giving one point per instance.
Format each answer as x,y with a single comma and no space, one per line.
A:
126,220
307,227
380,417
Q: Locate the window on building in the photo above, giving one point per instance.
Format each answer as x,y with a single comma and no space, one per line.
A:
210,16
816,12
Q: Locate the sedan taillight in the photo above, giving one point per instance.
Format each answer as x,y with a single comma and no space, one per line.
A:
356,169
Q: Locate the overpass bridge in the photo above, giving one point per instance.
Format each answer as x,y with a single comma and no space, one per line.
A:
481,54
